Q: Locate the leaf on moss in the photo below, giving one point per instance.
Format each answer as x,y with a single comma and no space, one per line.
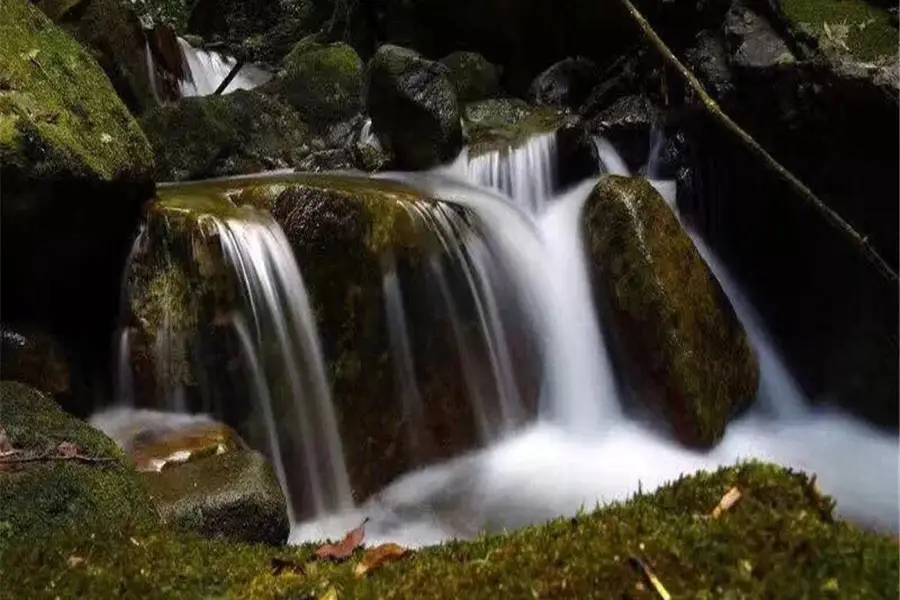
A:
731,497
75,561
68,450
378,556
345,548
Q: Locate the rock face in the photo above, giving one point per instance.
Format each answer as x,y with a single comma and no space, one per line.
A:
473,76
414,108
323,83
75,168
667,309
34,358
111,31
565,84
232,496
48,498
628,124
210,136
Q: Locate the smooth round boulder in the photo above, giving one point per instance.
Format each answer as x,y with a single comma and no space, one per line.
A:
414,108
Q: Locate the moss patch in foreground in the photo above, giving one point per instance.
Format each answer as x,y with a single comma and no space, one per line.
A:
778,541
855,26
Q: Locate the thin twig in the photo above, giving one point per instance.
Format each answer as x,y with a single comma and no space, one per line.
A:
231,75
653,579
718,114
8,460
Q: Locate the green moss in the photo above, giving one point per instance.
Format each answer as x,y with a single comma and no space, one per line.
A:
47,498
669,308
473,76
856,26
506,123
61,116
779,541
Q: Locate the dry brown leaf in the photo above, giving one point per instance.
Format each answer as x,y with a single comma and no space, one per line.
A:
67,450
345,548
280,565
378,556
731,497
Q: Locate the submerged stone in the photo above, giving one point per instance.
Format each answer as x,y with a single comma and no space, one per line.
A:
52,497
233,496
474,77
414,108
241,132
675,324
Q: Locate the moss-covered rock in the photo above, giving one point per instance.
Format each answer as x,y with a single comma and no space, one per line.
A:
75,169
159,451
111,31
232,496
414,108
323,83
668,310
861,29
242,132
473,76
506,123
46,497
584,557
33,357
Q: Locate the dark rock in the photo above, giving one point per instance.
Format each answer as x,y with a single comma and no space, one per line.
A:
628,124
414,108
506,123
241,132
708,59
565,84
50,498
678,328
576,154
753,43
328,160
232,496
473,76
322,83
35,358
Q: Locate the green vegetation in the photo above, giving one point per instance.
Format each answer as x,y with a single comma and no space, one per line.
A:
57,104
779,541
854,26
49,498
669,309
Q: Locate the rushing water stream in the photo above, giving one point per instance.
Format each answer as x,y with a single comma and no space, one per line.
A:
583,449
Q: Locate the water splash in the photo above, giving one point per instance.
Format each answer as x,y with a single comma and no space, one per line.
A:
207,70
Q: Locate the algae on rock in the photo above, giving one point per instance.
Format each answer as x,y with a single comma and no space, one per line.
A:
671,315
504,123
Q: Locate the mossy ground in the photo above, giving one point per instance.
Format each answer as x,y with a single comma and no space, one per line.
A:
57,104
779,541
857,26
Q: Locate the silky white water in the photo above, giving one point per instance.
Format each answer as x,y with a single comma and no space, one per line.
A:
207,71
546,471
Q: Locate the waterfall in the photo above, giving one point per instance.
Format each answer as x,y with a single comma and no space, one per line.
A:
526,173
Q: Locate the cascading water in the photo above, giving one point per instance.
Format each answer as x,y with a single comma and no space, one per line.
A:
207,71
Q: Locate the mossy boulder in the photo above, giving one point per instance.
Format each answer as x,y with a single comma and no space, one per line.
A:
414,108
586,556
35,358
666,308
75,167
504,123
112,33
474,77
46,498
232,496
565,84
323,83
241,132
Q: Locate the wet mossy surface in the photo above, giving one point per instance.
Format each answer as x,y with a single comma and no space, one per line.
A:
668,309
473,76
779,541
506,123
48,498
860,28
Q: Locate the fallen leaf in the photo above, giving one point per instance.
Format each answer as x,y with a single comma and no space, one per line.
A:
378,556
345,548
730,498
67,450
280,565
75,561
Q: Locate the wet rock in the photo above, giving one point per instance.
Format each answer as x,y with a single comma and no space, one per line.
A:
209,136
48,498
708,59
322,83
577,156
233,496
677,326
76,168
628,125
414,109
111,31
754,44
473,76
506,123
328,160
34,358
565,84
